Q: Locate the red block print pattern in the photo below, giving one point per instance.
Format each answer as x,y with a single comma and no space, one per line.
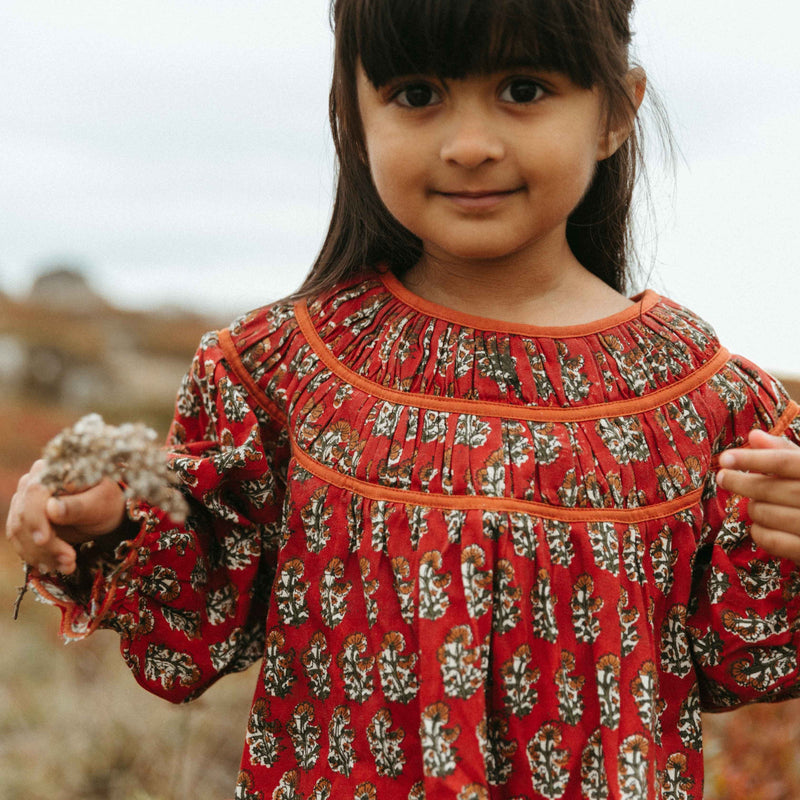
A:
475,561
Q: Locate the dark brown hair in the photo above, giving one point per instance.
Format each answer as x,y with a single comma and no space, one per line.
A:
585,39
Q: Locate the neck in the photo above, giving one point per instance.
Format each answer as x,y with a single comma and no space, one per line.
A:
556,290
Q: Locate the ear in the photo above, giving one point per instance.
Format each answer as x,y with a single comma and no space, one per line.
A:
620,127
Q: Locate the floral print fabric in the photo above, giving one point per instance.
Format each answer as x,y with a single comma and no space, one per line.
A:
474,560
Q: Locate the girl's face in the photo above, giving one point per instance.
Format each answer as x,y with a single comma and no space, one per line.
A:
484,168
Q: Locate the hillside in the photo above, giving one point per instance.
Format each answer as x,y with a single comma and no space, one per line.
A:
66,346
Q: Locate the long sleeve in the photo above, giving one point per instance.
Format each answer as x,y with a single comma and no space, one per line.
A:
190,601
745,623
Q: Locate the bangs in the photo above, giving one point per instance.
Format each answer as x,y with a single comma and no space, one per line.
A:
584,39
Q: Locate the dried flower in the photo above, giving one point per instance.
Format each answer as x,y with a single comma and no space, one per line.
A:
90,450
81,456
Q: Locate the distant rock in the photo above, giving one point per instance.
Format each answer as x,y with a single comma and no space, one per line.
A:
67,345
65,289
12,358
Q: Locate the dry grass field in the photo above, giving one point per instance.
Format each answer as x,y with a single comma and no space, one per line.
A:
75,726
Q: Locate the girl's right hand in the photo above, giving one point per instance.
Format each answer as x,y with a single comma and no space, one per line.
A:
43,529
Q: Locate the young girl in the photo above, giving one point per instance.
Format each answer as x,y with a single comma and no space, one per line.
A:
460,497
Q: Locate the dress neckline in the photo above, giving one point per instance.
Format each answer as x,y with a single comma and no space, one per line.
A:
643,302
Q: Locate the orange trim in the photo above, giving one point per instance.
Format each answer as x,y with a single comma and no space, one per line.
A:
620,408
465,502
789,413
642,303
70,608
235,363
778,429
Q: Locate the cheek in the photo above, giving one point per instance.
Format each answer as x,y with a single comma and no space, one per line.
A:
393,175
567,171
583,176
380,177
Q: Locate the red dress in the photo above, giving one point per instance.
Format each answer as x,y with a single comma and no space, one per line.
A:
475,560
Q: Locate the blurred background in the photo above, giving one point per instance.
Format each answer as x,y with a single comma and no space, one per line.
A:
166,166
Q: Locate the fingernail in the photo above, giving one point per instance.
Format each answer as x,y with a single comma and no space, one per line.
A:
43,568
726,460
58,507
39,537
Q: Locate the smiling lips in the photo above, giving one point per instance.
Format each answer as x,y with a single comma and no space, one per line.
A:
478,200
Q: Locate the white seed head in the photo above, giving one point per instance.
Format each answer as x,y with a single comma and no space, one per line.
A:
81,456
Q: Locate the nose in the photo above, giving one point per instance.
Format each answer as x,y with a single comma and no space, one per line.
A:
471,141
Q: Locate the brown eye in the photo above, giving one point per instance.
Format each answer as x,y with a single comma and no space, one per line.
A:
417,95
522,90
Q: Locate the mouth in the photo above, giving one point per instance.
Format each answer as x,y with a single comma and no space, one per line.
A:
478,199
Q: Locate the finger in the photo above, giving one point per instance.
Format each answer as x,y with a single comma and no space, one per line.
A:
777,543
761,439
87,514
61,558
775,517
758,439
37,468
764,488
783,462
29,531
26,518
41,547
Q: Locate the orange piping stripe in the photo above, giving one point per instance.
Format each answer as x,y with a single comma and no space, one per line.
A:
465,502
232,356
778,429
71,608
641,304
618,408
789,413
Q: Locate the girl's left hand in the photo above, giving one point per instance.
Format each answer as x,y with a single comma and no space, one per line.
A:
767,472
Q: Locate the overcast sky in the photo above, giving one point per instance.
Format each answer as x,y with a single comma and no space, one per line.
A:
179,151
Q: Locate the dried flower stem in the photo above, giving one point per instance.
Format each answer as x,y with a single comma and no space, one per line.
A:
21,591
